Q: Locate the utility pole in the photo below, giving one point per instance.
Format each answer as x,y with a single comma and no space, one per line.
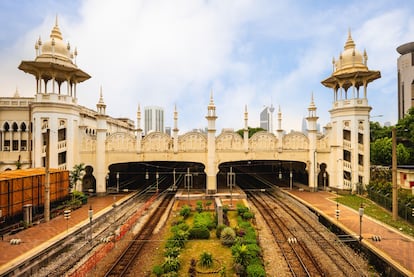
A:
46,214
394,176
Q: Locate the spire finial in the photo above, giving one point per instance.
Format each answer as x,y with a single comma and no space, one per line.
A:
349,42
56,20
101,100
211,98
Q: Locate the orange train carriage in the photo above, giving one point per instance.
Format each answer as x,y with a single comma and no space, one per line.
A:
27,186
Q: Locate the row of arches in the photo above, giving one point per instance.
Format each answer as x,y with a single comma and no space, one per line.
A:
14,127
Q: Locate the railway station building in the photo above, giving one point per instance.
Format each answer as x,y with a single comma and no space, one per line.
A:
53,119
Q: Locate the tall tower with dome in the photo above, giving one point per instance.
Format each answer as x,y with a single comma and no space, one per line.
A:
350,116
57,76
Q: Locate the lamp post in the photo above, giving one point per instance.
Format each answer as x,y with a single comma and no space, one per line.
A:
156,178
174,184
361,213
231,181
107,180
324,180
188,183
90,214
394,176
117,182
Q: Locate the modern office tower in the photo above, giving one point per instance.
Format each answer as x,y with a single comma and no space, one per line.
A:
405,64
266,118
168,130
154,119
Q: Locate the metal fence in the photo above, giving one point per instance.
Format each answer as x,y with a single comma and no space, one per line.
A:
405,211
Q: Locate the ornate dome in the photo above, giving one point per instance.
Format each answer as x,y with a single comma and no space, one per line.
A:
350,60
55,47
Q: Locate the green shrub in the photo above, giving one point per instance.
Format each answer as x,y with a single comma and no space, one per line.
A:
171,264
177,240
206,259
247,215
241,209
185,211
199,232
227,236
255,270
157,270
240,254
180,227
172,251
204,219
199,206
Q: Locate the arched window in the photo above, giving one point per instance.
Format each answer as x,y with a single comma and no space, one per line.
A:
6,127
23,127
15,127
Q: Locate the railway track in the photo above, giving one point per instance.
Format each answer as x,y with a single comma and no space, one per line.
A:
123,264
298,257
306,248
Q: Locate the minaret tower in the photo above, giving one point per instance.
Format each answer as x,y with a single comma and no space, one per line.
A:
279,130
175,130
312,132
350,140
139,130
212,168
101,130
53,67
246,130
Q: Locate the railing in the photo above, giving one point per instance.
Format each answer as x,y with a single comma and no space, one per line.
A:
347,184
347,165
347,144
62,144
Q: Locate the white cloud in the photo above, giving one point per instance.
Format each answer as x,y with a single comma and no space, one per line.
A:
248,52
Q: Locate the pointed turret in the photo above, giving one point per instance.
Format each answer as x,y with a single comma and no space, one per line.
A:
101,106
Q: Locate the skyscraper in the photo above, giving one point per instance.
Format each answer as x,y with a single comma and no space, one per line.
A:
154,119
405,64
266,118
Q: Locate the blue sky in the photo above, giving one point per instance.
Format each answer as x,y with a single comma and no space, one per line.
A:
174,53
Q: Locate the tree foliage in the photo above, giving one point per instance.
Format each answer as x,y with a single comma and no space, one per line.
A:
381,152
76,175
251,131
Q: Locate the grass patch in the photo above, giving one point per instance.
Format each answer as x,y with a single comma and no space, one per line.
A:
375,211
194,248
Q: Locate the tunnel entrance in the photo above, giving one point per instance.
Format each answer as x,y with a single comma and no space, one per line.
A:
141,175
272,172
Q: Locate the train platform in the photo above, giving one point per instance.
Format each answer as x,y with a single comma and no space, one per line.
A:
393,245
41,235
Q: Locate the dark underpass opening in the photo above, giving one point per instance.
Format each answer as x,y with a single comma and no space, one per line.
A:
155,174
165,174
265,172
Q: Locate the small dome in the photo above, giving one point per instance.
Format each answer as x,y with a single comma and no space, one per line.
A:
56,47
350,59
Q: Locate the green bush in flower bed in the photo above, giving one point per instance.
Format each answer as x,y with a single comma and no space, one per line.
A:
199,232
255,270
204,219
